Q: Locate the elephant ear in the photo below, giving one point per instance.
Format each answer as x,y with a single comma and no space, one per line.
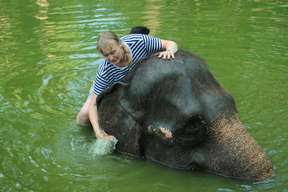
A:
109,91
137,88
115,120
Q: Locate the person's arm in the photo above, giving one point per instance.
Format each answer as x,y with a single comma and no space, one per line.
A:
170,48
93,117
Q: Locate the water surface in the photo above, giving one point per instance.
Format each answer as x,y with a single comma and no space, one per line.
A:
48,61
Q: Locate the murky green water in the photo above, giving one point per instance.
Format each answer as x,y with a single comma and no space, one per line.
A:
48,61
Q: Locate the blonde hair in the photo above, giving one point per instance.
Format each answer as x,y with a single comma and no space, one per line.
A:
104,38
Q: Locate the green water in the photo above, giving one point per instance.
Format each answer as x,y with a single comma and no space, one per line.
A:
48,61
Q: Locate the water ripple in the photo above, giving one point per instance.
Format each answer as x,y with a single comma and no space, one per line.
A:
48,62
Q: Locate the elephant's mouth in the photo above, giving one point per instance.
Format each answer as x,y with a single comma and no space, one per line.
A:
186,134
158,132
193,132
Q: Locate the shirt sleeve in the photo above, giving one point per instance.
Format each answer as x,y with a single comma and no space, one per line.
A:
102,82
152,44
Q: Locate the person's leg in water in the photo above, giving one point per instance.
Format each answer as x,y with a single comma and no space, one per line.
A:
82,118
83,115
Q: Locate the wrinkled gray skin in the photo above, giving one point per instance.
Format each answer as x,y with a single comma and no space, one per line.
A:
183,96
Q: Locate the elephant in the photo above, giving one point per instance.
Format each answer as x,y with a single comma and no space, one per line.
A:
182,95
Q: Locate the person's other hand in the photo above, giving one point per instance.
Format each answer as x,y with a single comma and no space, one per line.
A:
168,54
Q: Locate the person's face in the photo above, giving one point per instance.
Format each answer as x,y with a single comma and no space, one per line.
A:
113,52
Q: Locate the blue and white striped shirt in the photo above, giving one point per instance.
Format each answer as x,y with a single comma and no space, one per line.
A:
141,46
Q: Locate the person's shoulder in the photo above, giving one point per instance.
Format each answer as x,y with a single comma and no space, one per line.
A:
101,61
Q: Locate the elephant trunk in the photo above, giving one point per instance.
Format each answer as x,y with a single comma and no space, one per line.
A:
232,152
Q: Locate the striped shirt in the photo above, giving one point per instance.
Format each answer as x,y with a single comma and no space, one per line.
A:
140,46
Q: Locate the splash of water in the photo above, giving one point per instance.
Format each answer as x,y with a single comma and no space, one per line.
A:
102,147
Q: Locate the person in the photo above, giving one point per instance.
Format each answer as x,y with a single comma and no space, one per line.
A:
140,30
121,55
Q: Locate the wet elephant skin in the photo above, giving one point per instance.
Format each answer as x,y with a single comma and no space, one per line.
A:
183,96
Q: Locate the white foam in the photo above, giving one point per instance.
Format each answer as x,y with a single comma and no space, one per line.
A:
103,146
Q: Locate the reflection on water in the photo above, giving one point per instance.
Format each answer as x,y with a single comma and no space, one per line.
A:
152,11
43,9
48,61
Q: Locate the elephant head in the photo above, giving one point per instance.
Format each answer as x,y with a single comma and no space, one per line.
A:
183,96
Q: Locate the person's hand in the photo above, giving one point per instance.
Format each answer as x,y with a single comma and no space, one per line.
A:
168,54
103,135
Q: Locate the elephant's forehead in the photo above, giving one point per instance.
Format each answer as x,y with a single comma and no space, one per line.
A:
148,78
183,84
